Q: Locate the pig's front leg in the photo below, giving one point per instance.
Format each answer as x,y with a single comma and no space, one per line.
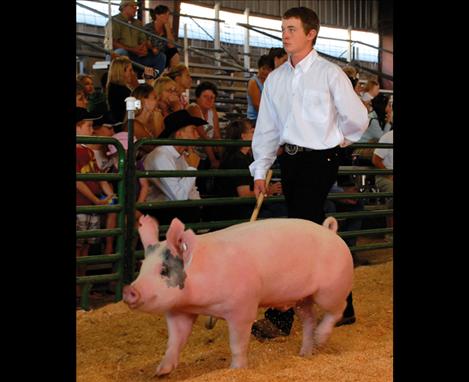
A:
179,329
239,328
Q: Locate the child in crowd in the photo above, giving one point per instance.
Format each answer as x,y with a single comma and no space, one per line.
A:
88,192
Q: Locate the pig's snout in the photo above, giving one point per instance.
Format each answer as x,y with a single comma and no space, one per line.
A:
131,296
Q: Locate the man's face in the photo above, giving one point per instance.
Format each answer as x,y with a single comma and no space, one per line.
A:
188,132
294,38
129,11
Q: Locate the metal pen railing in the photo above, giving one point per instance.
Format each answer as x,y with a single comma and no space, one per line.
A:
116,259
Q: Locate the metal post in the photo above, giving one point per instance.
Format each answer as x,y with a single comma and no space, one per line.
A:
108,35
129,263
186,54
217,32
349,51
186,47
247,63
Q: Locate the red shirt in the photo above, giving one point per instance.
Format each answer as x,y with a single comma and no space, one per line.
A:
86,163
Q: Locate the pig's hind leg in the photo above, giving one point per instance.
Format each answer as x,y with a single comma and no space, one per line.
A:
304,310
333,313
179,329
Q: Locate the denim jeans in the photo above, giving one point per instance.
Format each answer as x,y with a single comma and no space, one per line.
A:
157,61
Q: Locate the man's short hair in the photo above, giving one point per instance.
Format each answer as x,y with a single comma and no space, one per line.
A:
308,17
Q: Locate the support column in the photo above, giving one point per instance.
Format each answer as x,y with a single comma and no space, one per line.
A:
246,41
216,42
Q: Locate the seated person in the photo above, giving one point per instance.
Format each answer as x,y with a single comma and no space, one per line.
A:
204,107
255,86
162,27
178,125
131,42
240,157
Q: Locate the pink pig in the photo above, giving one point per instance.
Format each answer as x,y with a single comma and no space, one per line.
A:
230,273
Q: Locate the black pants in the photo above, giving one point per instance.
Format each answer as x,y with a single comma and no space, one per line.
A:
307,178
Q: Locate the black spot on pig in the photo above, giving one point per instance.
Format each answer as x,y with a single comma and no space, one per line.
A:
172,269
151,249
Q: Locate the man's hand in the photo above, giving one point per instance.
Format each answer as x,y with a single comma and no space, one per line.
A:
259,187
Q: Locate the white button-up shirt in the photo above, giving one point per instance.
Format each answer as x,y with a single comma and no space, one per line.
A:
312,105
167,158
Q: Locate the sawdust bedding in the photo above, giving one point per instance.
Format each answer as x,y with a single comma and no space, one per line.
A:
115,344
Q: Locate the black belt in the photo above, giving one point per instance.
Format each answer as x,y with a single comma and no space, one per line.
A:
294,149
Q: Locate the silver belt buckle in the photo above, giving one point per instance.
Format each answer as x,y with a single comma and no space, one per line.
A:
291,149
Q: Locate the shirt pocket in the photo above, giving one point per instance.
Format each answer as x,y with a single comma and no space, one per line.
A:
316,106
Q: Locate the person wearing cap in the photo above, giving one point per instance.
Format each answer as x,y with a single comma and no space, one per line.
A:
88,191
131,42
178,125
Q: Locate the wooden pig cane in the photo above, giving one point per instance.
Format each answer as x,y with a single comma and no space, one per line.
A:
211,321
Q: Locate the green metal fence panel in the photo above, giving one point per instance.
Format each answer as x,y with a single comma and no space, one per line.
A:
116,260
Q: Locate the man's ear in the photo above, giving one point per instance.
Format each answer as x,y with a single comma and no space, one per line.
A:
311,34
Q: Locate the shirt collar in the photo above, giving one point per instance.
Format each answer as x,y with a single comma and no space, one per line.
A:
306,62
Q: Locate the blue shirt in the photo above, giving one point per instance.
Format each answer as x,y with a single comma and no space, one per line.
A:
252,112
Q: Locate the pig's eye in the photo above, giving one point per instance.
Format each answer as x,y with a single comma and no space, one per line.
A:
164,270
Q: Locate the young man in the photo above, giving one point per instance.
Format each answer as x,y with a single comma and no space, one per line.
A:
178,125
309,108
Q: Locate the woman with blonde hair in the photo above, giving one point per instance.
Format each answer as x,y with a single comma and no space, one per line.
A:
180,74
148,122
121,81
168,99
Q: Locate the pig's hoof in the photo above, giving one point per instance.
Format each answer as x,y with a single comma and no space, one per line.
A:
164,369
306,352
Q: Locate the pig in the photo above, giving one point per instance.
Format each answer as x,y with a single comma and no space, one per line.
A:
230,273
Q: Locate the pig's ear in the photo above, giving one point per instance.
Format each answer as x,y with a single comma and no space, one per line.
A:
148,231
187,246
174,233
179,242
